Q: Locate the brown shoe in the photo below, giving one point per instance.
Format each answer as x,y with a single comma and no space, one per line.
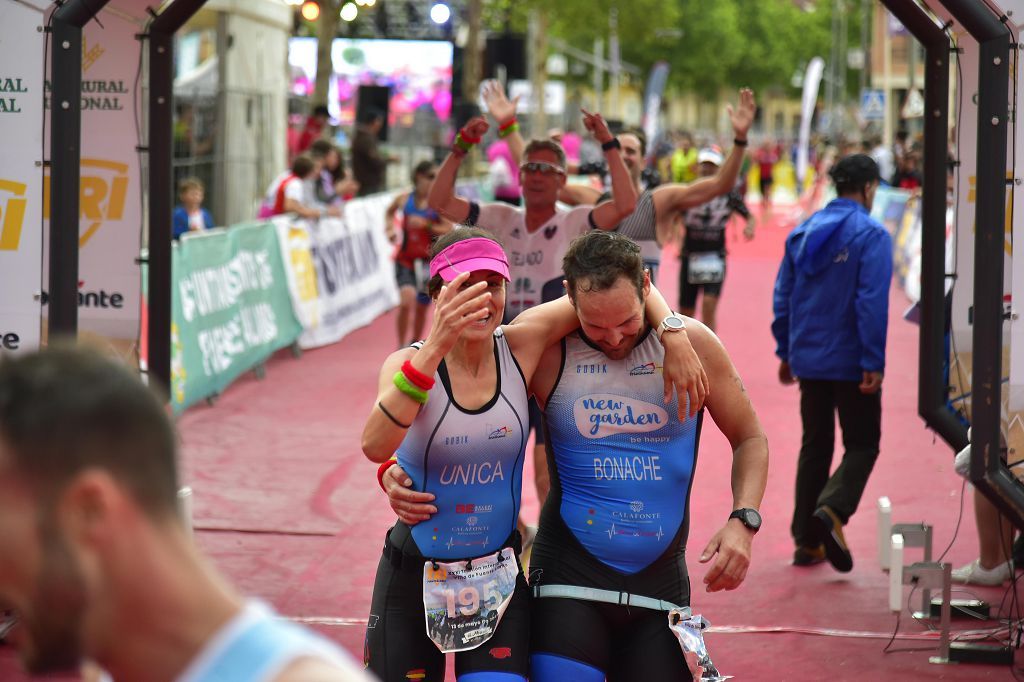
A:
808,556
830,530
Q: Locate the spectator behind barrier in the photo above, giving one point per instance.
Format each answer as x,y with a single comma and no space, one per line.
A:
314,128
190,216
369,166
292,191
334,185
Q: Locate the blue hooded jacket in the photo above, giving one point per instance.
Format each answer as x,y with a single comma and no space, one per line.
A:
831,296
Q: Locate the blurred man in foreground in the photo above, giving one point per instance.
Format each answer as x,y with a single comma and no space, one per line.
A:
95,561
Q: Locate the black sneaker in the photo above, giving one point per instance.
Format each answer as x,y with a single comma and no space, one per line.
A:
808,556
830,530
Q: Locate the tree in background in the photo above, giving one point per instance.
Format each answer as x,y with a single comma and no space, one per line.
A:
710,46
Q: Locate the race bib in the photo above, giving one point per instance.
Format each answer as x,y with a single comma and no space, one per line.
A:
705,268
688,630
421,271
464,601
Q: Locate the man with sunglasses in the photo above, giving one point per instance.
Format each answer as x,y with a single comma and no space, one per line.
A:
537,235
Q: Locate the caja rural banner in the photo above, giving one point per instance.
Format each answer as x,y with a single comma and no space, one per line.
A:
21,175
230,308
110,193
355,276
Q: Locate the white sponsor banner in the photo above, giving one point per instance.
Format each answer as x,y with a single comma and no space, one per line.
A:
812,78
355,273
21,197
110,200
293,235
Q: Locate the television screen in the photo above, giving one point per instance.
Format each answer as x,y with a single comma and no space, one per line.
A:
418,73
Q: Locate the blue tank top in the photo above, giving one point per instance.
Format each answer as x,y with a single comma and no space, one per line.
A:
472,461
257,646
410,209
624,460
415,240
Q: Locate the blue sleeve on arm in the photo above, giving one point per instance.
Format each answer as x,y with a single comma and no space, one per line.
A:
874,276
781,306
179,222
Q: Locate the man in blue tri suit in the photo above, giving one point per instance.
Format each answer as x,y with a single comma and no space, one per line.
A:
609,560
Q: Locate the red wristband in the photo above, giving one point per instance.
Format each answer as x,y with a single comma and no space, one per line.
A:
381,469
466,137
508,124
416,377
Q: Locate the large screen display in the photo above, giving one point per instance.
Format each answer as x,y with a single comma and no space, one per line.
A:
418,72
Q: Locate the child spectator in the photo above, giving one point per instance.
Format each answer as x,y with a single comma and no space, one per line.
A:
190,216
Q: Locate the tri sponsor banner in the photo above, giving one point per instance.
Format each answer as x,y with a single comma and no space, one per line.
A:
355,278
230,309
21,173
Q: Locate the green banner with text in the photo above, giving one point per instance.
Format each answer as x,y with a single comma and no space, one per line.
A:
230,309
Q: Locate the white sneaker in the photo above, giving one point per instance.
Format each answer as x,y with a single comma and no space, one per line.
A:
974,574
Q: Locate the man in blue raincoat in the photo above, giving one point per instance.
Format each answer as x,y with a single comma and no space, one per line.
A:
831,306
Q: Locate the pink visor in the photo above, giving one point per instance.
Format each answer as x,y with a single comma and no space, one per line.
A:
470,255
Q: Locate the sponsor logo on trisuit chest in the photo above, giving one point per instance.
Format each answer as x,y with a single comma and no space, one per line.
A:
472,473
603,414
499,432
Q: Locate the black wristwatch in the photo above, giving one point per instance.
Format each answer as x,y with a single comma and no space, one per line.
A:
749,517
611,144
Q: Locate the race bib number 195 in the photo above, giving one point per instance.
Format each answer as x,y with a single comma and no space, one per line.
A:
464,604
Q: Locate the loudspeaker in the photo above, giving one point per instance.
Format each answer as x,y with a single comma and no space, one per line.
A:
462,111
509,51
457,71
374,97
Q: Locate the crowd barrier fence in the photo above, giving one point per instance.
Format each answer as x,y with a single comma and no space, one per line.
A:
241,293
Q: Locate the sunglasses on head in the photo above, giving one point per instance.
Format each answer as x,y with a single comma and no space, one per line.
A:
542,167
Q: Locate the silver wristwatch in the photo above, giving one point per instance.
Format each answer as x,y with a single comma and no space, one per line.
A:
672,323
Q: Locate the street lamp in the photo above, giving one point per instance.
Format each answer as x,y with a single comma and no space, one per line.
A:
440,13
349,11
310,10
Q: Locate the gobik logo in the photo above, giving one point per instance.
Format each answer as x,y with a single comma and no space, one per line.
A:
12,213
101,195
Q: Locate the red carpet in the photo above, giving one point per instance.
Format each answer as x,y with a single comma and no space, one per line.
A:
280,459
